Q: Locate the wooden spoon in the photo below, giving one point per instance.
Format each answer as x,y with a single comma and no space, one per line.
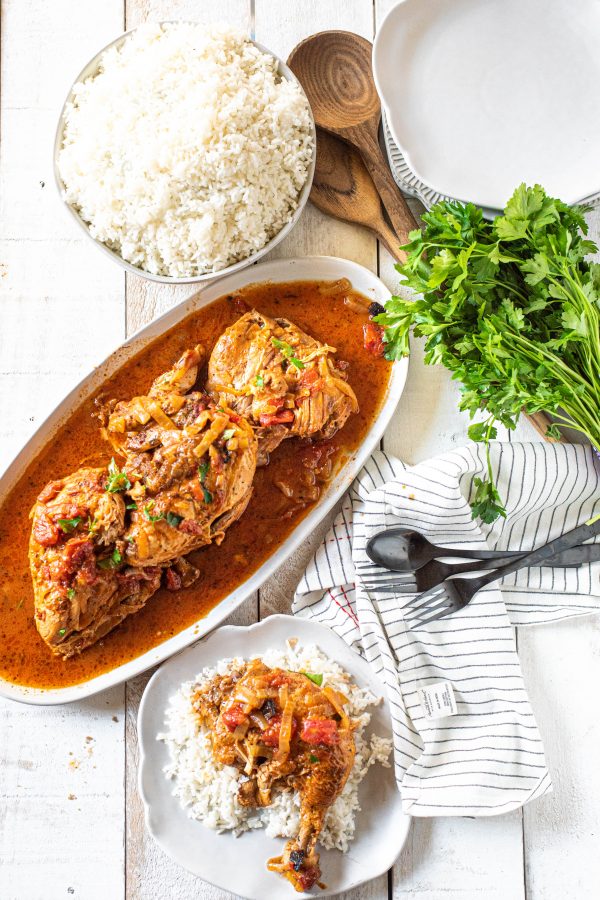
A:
334,68
343,188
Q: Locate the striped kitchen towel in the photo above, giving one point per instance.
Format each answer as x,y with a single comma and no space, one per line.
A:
465,738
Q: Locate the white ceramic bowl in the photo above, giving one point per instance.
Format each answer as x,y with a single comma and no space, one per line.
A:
238,864
481,96
92,69
320,268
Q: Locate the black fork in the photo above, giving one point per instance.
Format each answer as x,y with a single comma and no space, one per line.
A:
455,593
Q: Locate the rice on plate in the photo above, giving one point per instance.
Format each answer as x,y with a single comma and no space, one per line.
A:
187,151
209,791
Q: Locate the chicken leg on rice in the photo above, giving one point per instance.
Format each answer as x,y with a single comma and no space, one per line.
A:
189,461
285,382
285,734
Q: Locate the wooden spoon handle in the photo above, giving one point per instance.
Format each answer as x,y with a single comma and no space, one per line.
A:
394,203
390,239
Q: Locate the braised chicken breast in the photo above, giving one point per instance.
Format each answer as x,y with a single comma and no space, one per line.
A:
285,734
82,585
189,465
281,379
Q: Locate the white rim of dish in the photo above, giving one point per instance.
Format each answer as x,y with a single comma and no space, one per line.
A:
91,69
205,641
405,173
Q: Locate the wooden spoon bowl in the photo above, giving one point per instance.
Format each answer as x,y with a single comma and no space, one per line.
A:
338,82
334,68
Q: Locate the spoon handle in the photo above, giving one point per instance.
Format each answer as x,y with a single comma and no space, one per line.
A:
394,203
387,237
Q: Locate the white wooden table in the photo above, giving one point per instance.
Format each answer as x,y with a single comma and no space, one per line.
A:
71,822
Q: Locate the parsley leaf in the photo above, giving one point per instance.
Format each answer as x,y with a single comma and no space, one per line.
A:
117,481
149,515
512,309
316,679
69,525
259,381
173,519
112,561
71,593
288,351
203,470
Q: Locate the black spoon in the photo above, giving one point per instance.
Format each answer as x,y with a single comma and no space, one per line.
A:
402,550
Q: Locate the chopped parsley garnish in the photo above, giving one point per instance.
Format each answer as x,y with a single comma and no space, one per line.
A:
316,679
228,434
313,758
149,515
173,519
131,506
62,631
288,351
117,481
71,593
259,381
202,473
112,561
69,525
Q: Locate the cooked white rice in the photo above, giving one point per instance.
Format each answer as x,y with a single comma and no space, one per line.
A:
186,152
209,791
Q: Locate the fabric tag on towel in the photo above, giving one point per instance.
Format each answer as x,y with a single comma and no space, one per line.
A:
437,700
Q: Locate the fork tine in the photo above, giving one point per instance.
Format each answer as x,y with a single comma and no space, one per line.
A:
440,614
390,581
416,612
389,576
404,588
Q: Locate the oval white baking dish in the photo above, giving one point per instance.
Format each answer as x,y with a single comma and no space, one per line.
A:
305,269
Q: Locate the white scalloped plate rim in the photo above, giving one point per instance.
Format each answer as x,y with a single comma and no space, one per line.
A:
238,864
405,169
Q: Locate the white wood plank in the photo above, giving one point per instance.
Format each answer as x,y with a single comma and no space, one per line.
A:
445,857
61,783
61,769
149,872
561,666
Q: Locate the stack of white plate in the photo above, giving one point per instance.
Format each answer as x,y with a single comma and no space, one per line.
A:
481,95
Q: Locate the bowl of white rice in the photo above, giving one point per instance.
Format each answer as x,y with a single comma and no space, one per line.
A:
185,152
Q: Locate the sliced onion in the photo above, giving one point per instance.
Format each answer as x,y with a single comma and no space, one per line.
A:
337,700
258,718
285,730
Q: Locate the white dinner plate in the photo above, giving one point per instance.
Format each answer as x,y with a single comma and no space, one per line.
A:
239,864
481,96
307,268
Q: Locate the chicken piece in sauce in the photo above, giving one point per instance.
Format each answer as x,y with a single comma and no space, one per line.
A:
82,586
285,382
190,463
285,734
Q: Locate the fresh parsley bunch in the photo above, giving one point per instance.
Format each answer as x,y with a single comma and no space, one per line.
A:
512,309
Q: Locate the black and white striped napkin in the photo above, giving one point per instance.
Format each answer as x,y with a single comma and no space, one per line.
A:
465,738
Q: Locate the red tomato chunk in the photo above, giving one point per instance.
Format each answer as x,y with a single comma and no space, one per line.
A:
373,338
234,716
320,731
270,735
